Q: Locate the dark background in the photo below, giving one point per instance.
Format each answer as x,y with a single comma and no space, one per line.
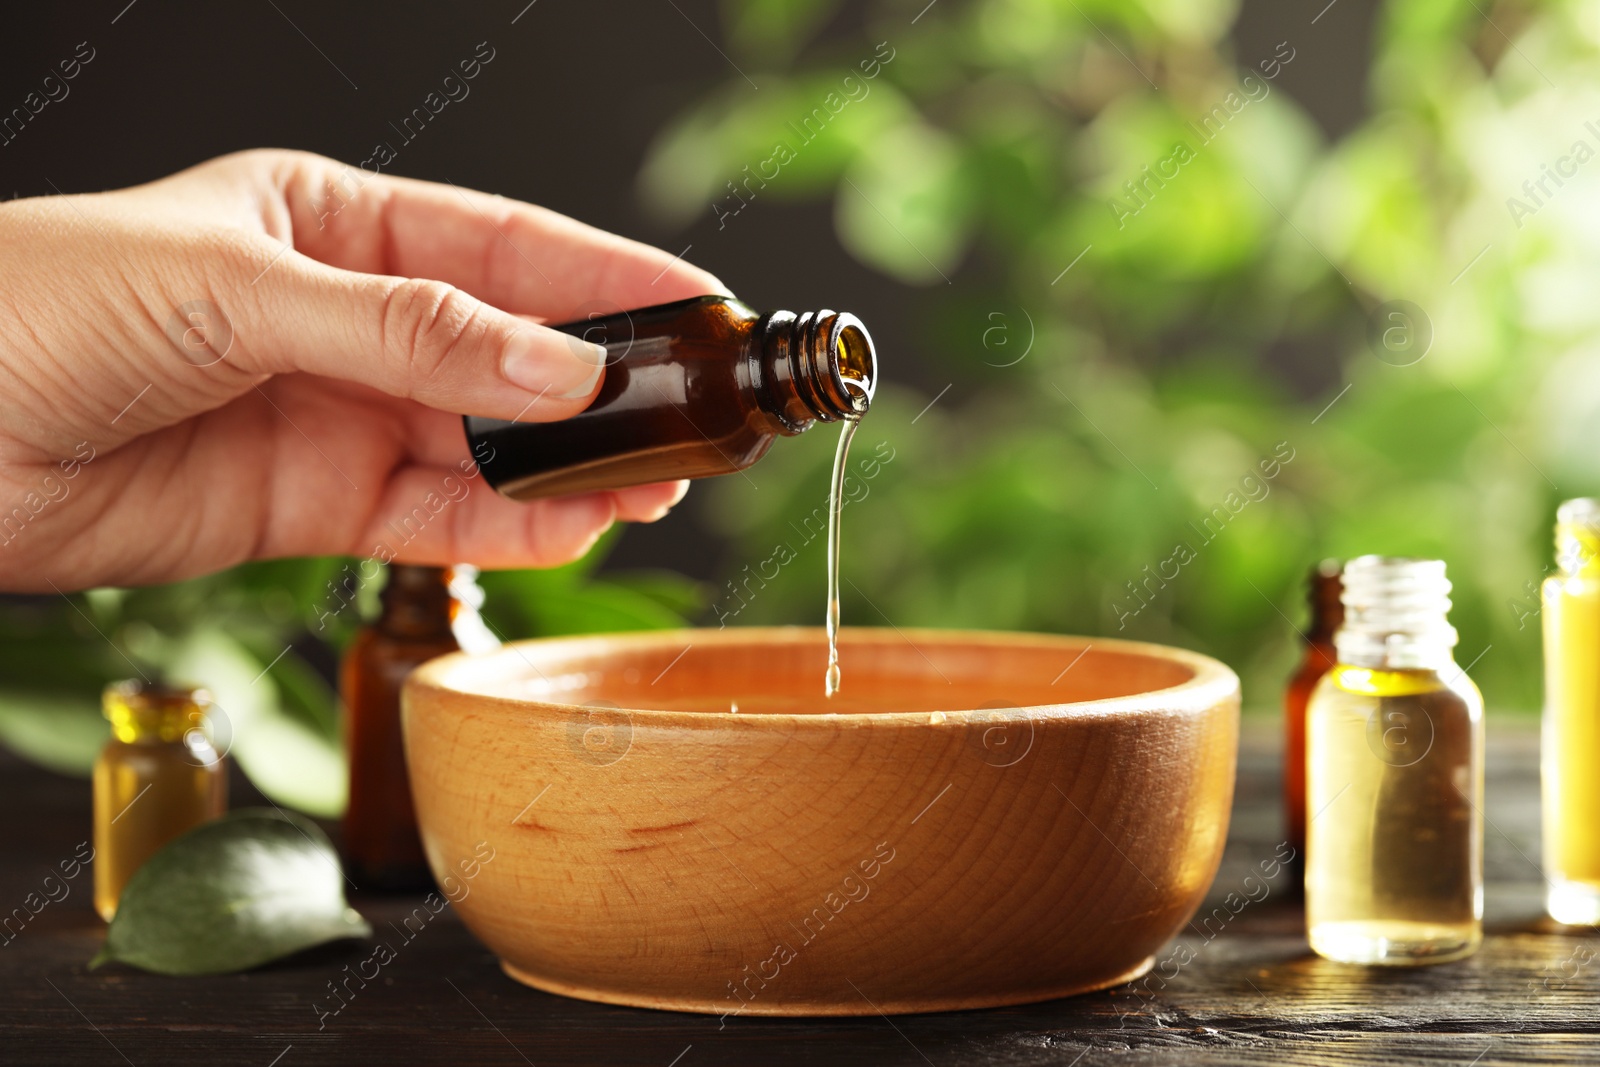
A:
562,117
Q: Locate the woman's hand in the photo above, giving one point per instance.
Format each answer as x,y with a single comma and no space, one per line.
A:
265,355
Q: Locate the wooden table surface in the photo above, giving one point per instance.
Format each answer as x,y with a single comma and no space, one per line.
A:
1252,993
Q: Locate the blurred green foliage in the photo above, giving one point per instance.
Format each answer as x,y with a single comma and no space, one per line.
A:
1099,413
261,638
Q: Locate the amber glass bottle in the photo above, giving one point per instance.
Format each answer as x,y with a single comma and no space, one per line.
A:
1323,588
694,388
424,610
158,777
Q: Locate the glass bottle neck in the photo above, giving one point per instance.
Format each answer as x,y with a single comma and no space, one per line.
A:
428,602
1396,615
1324,590
1578,537
145,712
416,601
816,365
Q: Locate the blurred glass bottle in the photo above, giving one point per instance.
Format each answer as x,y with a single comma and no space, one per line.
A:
1323,589
158,777
694,388
1571,744
1394,850
427,612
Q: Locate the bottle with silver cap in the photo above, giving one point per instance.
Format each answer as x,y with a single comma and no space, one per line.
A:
1394,777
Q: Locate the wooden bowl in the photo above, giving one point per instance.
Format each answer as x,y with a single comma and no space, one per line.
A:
975,820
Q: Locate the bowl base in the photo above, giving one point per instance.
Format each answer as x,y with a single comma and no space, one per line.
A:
822,1007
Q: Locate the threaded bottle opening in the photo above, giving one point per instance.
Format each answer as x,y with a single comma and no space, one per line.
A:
855,363
1396,613
816,365
1578,535
837,367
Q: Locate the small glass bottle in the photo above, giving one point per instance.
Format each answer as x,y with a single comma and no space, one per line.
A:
1571,744
1323,589
1394,776
427,612
158,777
692,389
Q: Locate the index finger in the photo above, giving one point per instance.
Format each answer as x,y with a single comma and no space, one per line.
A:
515,256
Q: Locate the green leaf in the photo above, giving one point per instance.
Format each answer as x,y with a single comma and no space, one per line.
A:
61,731
302,692
249,888
799,133
906,208
600,607
682,596
292,757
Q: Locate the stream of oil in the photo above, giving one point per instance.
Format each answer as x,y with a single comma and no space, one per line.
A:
835,506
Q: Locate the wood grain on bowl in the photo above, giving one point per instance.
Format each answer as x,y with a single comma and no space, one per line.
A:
975,820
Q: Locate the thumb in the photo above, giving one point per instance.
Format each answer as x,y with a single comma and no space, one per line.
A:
415,338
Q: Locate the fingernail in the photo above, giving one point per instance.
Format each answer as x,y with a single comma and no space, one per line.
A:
587,352
527,367
666,509
662,510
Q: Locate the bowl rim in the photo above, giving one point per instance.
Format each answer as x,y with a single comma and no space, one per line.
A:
1212,684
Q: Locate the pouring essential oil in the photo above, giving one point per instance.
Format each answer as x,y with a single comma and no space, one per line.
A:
158,777
830,684
1323,588
1571,743
694,388
1394,774
427,612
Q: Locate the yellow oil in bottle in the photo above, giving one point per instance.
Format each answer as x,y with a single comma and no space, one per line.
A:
1571,743
157,777
1394,776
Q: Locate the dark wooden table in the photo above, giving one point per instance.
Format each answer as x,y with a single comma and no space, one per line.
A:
1252,992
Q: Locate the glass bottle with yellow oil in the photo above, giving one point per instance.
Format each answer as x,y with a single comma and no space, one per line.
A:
1571,745
1394,776
158,777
